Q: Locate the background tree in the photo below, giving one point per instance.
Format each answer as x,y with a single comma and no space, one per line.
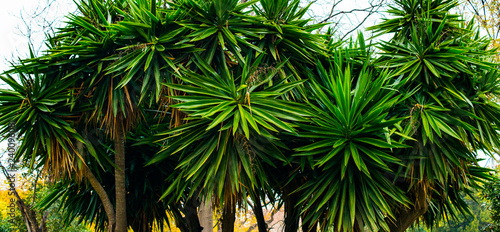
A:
486,14
438,57
29,189
491,194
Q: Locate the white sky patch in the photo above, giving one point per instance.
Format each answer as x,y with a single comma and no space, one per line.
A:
36,15
9,40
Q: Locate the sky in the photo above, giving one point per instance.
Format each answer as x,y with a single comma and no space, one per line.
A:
9,40
12,41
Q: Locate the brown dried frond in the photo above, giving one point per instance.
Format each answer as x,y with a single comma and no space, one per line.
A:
176,116
60,163
422,193
229,59
125,118
163,104
230,195
258,73
77,91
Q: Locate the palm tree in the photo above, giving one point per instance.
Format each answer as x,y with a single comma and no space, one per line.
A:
241,55
250,91
229,134
145,183
452,113
350,147
111,52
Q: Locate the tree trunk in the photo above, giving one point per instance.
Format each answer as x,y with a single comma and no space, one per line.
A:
43,223
229,213
259,214
404,216
120,188
206,215
191,214
292,213
28,214
186,216
103,195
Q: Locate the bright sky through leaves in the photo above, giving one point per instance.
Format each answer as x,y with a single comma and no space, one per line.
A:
14,43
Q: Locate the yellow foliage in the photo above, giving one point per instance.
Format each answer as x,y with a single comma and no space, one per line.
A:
487,15
6,195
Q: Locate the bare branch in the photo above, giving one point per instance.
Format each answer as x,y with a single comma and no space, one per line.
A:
331,15
40,20
339,13
369,9
361,23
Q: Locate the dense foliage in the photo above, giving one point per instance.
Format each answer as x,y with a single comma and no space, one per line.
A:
491,194
219,100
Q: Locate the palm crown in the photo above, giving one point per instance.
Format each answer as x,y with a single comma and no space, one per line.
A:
252,102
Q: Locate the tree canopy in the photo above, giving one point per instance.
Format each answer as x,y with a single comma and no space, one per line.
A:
168,103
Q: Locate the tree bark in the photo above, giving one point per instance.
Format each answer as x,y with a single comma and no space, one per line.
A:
191,214
28,214
103,195
188,220
206,215
229,213
120,188
259,214
404,216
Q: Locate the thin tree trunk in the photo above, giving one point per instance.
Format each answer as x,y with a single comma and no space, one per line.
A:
206,215
43,223
189,222
103,195
28,214
292,213
259,214
120,188
229,213
191,214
